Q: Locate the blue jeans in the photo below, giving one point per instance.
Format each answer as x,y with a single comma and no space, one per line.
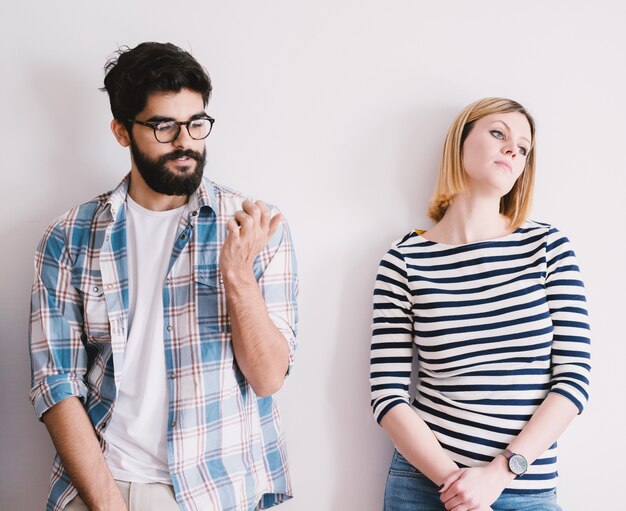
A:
409,490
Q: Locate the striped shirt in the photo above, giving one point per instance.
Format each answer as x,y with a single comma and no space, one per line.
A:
496,326
225,446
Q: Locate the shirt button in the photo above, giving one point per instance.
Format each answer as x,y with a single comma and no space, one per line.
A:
167,280
194,213
172,375
183,236
95,289
110,286
107,238
170,328
173,424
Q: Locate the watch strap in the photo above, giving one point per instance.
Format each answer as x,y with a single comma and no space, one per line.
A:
507,453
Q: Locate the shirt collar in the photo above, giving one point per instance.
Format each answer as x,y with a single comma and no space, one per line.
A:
115,200
204,196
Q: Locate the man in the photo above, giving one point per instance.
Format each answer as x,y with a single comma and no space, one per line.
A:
163,317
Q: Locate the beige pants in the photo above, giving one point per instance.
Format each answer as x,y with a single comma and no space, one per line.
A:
138,497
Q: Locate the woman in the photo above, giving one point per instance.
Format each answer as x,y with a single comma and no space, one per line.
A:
494,305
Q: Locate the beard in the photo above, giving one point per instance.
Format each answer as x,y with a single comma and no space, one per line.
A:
162,180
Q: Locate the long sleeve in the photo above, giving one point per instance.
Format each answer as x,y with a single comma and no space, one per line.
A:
496,325
571,342
279,285
58,357
392,336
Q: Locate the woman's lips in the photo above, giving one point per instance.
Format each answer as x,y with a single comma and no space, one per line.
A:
504,164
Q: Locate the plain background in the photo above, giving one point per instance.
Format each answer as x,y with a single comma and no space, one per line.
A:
336,112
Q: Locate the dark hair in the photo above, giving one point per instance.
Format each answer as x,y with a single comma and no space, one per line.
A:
133,74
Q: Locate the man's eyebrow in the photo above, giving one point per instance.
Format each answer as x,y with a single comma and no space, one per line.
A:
509,129
162,118
159,118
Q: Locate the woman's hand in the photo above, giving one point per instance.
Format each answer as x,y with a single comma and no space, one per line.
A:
474,489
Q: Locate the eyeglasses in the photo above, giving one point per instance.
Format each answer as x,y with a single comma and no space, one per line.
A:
168,131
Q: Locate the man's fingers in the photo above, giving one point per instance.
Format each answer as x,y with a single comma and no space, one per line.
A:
232,227
253,220
252,209
265,213
274,223
244,220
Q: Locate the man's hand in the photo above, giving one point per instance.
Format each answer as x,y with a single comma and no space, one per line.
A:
248,233
476,488
261,351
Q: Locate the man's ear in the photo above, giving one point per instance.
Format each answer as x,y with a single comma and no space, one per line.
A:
120,132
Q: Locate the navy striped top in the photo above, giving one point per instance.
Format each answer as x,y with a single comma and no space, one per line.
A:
496,325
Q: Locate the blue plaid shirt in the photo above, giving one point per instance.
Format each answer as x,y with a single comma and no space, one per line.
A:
226,449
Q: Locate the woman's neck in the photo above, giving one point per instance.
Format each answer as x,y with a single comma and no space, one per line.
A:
469,219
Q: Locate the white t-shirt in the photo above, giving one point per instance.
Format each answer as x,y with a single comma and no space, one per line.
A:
137,433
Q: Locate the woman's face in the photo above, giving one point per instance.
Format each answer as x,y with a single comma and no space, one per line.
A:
494,153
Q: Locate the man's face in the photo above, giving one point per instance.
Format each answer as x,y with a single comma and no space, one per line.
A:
173,168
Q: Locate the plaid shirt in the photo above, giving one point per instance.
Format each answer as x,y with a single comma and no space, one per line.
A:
226,449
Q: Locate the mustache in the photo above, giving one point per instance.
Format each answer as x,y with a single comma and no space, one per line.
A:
179,153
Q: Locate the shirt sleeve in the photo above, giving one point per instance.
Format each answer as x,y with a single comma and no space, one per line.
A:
392,336
279,284
565,291
57,354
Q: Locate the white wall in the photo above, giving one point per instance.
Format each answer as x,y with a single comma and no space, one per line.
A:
335,111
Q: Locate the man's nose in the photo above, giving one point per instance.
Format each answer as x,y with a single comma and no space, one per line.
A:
182,139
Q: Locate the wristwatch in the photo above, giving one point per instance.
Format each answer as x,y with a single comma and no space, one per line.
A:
517,463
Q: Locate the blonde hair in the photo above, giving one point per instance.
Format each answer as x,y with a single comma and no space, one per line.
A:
451,180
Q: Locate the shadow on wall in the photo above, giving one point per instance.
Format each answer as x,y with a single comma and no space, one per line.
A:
363,450
69,110
62,170
24,442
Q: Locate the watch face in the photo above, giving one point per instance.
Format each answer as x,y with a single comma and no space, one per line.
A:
518,464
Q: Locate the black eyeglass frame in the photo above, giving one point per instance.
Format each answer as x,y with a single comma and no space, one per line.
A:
180,124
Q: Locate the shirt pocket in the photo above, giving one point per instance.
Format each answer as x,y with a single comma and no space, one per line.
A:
95,313
210,299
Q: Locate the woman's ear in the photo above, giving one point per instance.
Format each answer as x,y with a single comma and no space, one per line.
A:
120,132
